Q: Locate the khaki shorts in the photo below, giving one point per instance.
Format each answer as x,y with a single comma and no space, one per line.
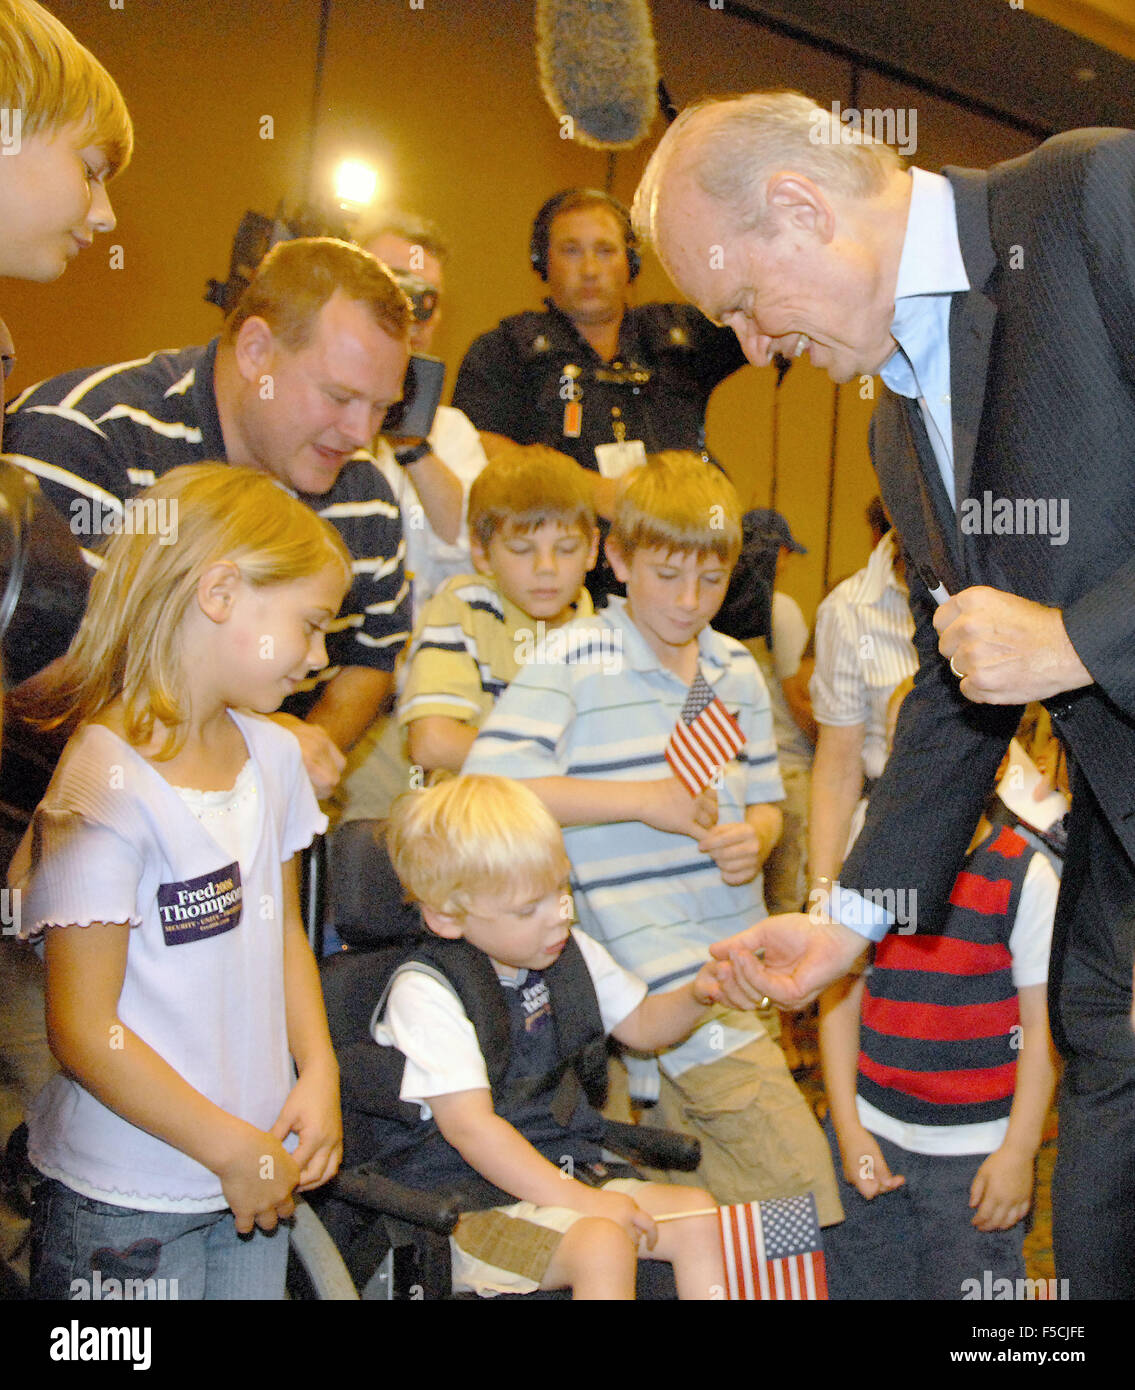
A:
759,1138
509,1249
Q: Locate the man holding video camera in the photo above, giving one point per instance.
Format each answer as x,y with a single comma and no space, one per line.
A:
298,384
431,475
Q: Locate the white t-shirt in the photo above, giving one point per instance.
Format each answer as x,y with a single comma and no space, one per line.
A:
430,561
113,841
425,1020
789,638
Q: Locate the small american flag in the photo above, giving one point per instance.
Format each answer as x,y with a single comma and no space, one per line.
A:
705,738
773,1249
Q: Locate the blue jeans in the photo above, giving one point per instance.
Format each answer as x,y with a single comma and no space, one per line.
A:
917,1242
85,1249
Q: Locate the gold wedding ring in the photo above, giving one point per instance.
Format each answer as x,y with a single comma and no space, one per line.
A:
961,675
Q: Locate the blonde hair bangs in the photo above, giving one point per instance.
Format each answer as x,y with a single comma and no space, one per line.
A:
678,502
473,835
47,74
129,642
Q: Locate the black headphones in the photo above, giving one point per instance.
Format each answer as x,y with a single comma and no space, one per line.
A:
542,227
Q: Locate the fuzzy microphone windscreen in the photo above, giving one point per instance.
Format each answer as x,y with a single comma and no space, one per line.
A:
598,68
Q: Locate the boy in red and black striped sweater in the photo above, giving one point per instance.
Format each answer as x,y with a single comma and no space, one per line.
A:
940,1072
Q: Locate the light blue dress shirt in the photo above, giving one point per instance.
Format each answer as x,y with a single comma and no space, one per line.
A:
931,271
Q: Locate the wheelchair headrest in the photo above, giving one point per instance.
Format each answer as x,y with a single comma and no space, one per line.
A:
43,577
366,901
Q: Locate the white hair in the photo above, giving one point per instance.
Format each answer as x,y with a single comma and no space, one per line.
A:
733,145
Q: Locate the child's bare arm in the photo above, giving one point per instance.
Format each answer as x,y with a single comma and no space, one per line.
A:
312,1108
1003,1188
663,1019
436,741
839,1009
85,970
767,821
501,1154
663,803
837,779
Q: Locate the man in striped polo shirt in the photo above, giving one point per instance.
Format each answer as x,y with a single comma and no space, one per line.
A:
297,385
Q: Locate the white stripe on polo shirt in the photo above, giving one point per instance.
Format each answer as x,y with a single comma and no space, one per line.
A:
88,383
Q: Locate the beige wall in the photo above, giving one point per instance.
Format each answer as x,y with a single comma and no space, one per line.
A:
445,98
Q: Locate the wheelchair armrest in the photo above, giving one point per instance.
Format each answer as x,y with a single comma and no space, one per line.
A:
366,1187
653,1148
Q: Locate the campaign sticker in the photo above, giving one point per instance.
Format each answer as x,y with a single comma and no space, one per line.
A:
199,908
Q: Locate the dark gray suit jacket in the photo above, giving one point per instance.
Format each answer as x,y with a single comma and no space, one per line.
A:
1042,365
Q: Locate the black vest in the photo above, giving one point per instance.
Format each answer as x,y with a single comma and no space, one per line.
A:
545,1050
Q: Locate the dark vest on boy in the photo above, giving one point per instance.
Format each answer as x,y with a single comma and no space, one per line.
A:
941,1025
545,1050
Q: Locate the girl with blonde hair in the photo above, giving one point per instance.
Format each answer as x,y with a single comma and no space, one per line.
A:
159,873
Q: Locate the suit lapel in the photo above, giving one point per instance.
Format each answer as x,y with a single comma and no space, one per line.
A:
972,317
919,504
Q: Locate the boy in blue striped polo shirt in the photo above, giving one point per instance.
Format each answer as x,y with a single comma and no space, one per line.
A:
657,874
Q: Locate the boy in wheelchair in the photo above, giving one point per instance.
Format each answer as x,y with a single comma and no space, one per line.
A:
485,861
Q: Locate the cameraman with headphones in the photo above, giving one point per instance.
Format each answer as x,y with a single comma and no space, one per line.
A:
600,380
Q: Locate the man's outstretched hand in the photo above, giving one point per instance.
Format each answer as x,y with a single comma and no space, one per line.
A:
801,957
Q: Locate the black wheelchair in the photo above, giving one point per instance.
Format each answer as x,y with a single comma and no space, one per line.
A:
393,1240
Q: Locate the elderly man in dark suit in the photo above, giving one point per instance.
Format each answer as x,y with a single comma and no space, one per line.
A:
999,309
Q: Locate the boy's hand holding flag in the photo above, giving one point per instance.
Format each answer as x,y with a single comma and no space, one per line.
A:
705,739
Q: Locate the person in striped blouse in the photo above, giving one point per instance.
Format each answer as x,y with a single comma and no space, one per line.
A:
864,649
657,874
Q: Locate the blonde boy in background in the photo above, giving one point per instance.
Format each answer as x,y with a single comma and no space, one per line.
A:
65,133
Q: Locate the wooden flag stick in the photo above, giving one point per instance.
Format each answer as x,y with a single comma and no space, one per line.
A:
677,1215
